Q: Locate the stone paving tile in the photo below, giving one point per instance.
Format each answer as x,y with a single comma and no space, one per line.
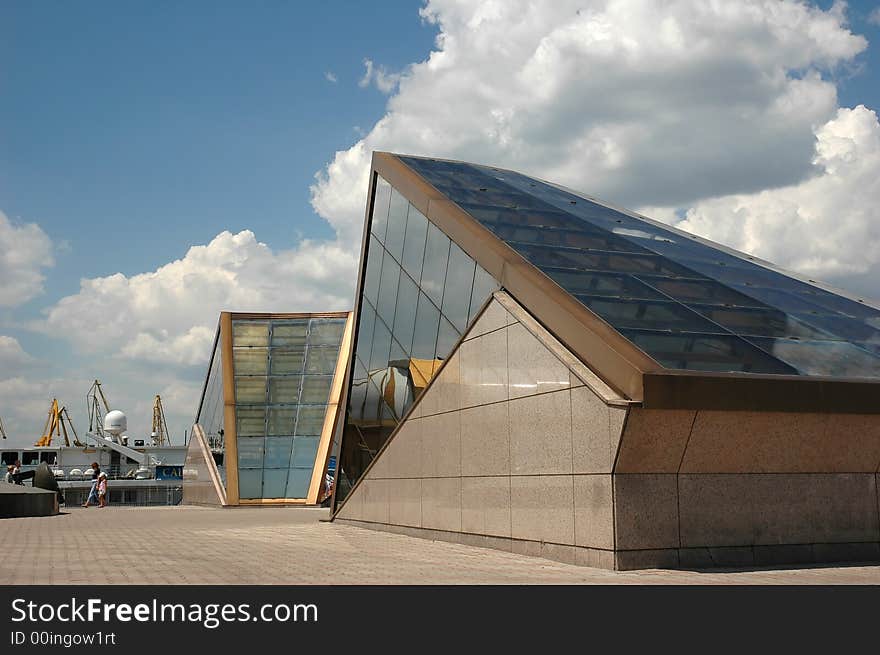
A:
196,545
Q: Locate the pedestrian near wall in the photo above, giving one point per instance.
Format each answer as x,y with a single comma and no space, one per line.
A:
102,489
93,492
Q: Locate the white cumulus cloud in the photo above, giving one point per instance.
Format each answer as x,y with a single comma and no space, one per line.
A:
661,104
12,355
25,250
827,226
385,80
169,315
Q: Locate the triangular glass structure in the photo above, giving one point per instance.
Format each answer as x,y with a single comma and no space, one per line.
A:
666,319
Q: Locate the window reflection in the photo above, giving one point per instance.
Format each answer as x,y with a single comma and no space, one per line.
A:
434,267
388,290
595,251
425,334
374,271
281,391
414,244
484,286
380,208
405,317
457,291
211,407
391,367
395,235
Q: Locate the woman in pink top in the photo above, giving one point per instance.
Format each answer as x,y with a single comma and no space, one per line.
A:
102,489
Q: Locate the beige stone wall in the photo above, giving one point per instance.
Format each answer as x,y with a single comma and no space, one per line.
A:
512,446
518,446
710,488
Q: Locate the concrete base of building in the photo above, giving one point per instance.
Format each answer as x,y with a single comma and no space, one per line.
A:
516,439
19,501
663,558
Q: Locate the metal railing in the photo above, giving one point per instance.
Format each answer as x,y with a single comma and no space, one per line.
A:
146,496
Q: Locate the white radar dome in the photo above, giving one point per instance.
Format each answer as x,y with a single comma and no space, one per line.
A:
115,422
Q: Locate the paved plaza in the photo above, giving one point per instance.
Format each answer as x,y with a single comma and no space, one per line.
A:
196,545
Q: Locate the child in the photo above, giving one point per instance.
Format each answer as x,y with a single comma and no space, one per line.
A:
102,489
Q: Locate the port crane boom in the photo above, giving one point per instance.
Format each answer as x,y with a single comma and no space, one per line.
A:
56,425
160,427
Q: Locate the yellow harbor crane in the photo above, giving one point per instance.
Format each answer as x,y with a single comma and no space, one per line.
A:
56,425
159,432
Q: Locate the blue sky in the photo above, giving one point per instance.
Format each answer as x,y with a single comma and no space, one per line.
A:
131,131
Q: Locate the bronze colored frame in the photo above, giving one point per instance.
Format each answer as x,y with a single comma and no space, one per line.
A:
616,360
230,435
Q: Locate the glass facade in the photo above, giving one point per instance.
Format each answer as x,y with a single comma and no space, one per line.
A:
283,373
685,303
210,415
420,292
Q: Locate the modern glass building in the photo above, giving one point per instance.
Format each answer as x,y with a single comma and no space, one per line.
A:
264,428
537,370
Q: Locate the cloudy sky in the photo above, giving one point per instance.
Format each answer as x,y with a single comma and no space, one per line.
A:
162,162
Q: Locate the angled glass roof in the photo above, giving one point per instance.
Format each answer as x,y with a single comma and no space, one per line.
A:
685,302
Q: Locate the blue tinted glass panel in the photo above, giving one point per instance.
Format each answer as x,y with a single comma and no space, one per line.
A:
291,333
648,315
277,453
394,237
301,357
281,420
707,352
425,335
310,420
250,452
274,483
447,335
594,283
373,271
457,291
434,270
756,321
388,290
405,316
698,291
326,331
250,483
835,358
304,451
381,346
380,209
484,286
575,240
298,482
316,389
250,421
414,244
321,359
366,325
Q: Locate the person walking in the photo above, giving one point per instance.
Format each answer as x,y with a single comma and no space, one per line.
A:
102,489
93,492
